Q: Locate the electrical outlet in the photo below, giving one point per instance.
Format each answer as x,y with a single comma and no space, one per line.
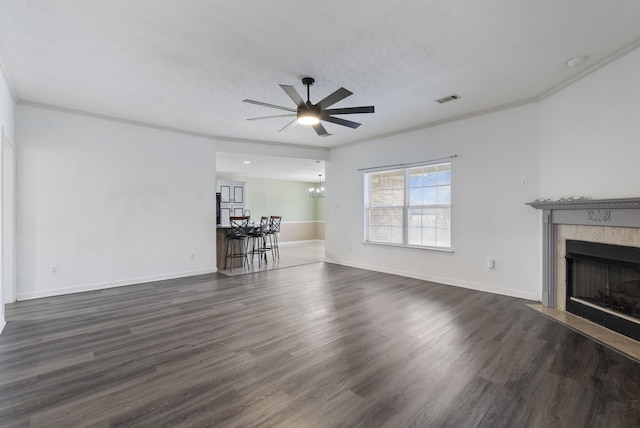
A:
192,256
491,265
55,269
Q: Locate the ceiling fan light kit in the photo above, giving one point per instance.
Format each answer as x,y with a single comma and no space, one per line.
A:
308,119
308,116
311,114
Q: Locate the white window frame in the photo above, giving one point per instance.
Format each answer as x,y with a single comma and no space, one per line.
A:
406,207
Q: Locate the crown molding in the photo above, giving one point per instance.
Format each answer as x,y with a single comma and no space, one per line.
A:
598,65
212,137
7,77
437,123
532,100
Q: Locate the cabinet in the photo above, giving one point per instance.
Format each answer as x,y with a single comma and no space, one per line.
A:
231,200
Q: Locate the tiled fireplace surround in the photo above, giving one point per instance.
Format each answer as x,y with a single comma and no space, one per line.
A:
627,236
606,221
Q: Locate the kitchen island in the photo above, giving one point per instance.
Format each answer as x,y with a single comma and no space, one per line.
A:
221,249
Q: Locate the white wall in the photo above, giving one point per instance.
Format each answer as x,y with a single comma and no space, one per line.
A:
7,106
271,149
265,197
7,124
490,218
582,141
112,204
109,203
590,134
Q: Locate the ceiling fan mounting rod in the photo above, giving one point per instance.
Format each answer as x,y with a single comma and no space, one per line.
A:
308,81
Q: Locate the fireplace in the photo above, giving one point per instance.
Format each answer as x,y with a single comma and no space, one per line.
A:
603,285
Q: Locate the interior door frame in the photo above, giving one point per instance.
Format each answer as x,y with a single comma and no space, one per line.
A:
8,209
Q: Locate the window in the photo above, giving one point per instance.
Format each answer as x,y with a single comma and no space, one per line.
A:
410,206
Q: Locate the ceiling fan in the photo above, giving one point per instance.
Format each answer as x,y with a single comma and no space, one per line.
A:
311,114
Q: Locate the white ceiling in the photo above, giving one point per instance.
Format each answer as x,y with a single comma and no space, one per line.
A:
189,64
277,168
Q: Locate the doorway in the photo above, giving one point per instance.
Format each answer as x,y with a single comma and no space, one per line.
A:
8,220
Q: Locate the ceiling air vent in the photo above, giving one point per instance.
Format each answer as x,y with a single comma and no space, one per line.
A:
447,99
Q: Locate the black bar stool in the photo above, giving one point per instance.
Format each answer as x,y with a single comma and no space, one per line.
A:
237,241
272,232
258,236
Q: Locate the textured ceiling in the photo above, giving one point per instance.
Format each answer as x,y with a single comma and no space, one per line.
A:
276,168
189,64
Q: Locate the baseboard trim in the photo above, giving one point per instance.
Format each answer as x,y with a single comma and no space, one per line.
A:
302,221
442,280
111,284
307,241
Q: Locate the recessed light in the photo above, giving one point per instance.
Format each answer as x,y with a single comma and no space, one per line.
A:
577,60
247,162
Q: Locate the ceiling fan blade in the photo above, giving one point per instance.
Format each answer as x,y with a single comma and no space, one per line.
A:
271,117
293,94
289,125
269,105
339,121
320,130
350,110
331,99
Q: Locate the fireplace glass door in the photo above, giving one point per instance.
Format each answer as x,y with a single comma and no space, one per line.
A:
609,286
603,285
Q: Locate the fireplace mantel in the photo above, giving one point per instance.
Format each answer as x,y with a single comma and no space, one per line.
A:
586,204
585,212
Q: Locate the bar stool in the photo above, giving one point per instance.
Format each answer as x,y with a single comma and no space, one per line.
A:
272,232
258,238
237,241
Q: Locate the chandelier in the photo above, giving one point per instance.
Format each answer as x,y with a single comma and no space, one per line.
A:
318,191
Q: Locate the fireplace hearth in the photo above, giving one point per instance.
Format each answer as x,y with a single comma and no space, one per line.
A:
603,285
606,221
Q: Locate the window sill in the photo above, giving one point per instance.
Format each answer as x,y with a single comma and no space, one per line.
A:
411,247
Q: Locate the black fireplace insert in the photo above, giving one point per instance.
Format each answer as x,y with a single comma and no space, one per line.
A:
603,285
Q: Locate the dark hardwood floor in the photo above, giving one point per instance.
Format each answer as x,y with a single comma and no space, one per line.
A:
319,345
